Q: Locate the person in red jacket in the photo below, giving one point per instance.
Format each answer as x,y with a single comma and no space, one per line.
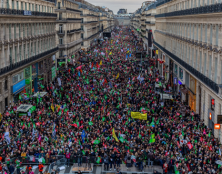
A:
165,167
41,168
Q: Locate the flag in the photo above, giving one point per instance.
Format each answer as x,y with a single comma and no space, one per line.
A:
190,146
176,171
7,137
95,141
54,131
83,135
100,62
99,160
138,115
117,76
90,123
114,135
52,107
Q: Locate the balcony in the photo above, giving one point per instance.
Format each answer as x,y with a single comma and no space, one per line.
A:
208,82
74,19
71,44
15,66
88,22
74,31
214,8
63,9
61,33
5,11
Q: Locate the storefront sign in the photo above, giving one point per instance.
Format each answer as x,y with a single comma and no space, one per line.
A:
18,86
216,126
174,80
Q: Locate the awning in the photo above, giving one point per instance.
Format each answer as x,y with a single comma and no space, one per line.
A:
24,108
41,94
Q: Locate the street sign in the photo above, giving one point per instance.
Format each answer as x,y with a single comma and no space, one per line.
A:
175,80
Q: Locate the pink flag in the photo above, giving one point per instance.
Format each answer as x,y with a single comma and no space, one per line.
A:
39,138
204,132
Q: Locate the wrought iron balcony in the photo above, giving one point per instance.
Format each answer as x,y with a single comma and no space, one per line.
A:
214,8
61,33
14,66
6,11
208,82
74,19
71,9
74,31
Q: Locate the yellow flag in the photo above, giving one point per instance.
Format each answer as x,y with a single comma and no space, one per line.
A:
52,107
110,53
138,115
100,62
114,135
117,76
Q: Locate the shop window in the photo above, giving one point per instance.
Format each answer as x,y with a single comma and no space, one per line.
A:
180,73
17,78
175,69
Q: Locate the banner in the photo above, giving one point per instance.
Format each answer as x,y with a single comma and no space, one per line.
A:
138,115
114,135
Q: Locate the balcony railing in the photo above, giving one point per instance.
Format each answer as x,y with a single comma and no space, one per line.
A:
208,82
73,31
214,8
75,19
14,66
89,22
6,11
71,9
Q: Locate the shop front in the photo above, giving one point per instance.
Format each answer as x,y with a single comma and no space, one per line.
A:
17,89
192,94
35,77
61,63
28,79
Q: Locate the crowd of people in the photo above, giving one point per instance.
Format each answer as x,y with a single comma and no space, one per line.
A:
87,112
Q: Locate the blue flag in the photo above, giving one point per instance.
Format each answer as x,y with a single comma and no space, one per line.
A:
78,73
83,135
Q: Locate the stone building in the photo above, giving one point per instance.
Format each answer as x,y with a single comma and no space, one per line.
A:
28,47
187,36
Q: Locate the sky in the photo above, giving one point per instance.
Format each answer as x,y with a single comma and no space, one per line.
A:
115,5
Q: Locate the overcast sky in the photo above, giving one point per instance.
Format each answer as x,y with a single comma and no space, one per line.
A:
115,5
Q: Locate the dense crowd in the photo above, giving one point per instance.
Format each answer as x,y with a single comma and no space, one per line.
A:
90,103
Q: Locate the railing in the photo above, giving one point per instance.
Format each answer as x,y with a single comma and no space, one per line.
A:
208,82
214,8
73,10
5,11
76,19
74,30
26,61
89,22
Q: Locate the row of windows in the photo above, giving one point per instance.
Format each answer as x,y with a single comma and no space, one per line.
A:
203,62
25,30
18,53
189,4
199,32
20,5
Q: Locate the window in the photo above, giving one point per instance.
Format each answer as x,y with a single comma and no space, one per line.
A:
32,7
7,3
17,5
13,4
20,53
18,77
14,31
215,74
197,33
205,62
180,73
82,35
19,30
200,68
25,6
206,33
21,5
210,64
10,31
175,69
6,85
15,53
196,59
216,35
211,34
29,7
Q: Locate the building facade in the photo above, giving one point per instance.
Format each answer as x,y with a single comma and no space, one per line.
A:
27,47
188,38
68,30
